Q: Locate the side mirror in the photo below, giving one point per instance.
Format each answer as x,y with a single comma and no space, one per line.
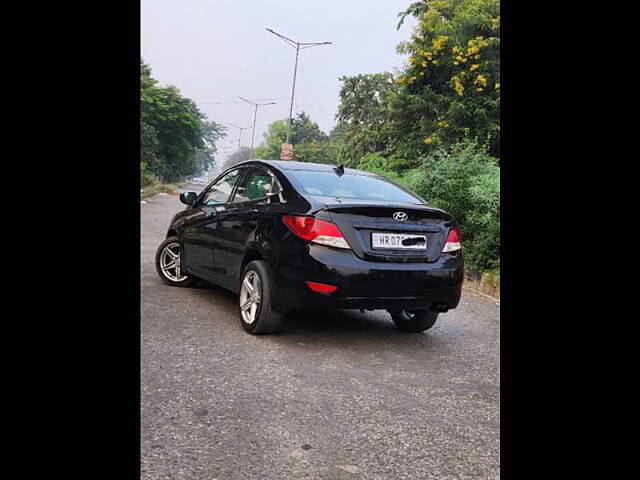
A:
188,198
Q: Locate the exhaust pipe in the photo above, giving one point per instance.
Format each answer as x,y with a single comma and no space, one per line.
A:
440,307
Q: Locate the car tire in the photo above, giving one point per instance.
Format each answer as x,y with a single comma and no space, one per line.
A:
255,307
414,321
170,274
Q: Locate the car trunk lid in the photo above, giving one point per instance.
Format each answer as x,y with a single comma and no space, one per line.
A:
358,221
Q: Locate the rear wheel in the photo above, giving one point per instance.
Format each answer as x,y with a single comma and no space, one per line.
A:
168,264
257,313
414,321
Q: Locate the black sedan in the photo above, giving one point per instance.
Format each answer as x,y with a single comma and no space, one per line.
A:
294,235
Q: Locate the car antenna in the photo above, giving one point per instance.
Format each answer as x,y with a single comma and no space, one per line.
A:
339,170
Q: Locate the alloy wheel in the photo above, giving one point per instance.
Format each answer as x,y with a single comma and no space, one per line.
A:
250,296
170,263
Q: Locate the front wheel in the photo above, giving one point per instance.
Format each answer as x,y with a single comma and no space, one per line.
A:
414,321
168,264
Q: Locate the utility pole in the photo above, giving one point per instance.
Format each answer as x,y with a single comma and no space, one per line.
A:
298,46
240,133
255,114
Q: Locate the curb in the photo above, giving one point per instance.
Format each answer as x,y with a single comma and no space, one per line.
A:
483,284
475,292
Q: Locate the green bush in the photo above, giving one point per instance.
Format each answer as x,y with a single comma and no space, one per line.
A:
465,181
147,177
394,168
377,161
372,161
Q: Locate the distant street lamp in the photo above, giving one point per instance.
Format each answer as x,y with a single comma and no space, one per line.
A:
255,113
240,134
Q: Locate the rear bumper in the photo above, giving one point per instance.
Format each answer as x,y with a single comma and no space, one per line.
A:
364,284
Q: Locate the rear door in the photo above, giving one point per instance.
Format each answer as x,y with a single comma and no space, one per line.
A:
200,229
239,220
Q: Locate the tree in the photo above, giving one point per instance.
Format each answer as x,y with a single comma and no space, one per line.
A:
243,154
310,144
211,133
362,115
149,161
304,130
274,137
451,87
175,121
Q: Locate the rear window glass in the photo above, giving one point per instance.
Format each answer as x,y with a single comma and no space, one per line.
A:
351,186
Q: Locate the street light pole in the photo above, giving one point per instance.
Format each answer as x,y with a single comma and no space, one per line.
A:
298,46
293,91
240,134
255,114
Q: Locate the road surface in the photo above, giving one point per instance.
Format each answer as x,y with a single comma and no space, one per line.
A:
334,396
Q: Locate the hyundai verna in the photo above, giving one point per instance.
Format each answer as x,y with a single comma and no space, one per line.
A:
293,235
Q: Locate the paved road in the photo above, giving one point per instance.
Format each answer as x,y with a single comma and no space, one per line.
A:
344,396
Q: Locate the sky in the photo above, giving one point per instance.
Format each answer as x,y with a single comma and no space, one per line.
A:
217,50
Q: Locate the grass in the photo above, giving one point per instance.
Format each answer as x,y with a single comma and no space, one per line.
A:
493,276
155,188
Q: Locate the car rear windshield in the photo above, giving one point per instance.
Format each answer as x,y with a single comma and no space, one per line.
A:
351,185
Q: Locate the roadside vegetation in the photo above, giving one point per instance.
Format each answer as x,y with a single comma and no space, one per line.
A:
150,187
433,126
176,140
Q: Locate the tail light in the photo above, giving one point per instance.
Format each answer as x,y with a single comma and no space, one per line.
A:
454,240
316,230
321,287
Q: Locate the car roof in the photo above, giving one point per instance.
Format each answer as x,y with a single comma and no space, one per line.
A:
308,166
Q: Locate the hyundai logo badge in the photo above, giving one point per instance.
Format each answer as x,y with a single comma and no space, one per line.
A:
400,216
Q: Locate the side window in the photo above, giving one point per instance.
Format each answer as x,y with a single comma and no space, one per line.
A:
256,185
220,191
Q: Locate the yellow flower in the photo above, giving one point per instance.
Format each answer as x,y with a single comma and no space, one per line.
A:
443,124
424,64
474,45
474,67
457,85
439,42
497,86
480,81
428,140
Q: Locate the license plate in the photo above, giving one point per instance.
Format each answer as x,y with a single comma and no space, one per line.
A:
399,241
